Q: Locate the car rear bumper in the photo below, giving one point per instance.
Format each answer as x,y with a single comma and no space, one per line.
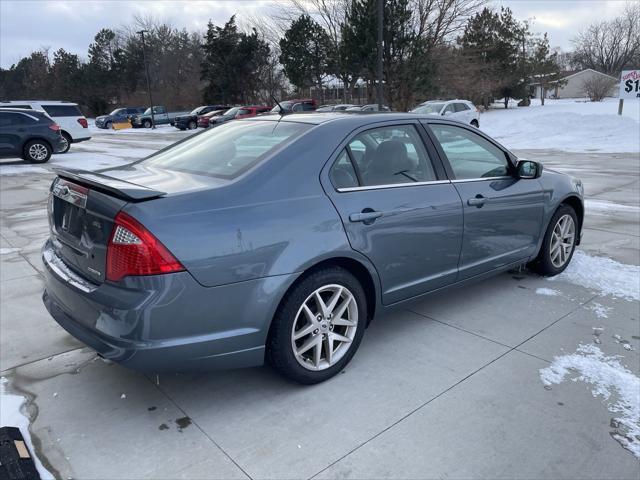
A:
165,322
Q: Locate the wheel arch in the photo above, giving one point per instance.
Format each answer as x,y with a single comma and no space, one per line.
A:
30,139
576,203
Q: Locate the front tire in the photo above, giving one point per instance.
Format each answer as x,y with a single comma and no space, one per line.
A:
559,242
37,151
108,125
146,124
192,125
318,326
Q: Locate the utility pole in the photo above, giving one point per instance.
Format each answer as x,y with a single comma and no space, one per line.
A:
146,70
380,56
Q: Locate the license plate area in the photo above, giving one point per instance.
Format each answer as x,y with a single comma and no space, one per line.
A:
69,202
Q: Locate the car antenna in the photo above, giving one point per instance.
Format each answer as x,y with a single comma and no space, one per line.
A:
281,111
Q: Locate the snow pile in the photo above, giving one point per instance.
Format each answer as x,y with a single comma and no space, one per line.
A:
604,275
607,376
603,207
572,125
550,292
10,416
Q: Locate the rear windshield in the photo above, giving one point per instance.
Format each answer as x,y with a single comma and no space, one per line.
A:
429,108
62,110
228,150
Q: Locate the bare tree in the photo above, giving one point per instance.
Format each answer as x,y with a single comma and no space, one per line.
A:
609,46
598,87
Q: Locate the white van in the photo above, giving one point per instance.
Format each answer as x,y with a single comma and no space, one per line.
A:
73,124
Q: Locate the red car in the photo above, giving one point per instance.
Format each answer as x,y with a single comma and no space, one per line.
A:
203,120
252,111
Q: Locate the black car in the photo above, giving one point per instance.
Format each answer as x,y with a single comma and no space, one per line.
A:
29,134
190,121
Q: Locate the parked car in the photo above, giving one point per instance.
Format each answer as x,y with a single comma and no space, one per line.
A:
160,116
281,237
74,126
203,120
119,115
190,120
335,108
251,111
296,105
462,110
372,107
29,134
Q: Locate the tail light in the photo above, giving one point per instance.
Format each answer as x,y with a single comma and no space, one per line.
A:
83,122
133,250
55,127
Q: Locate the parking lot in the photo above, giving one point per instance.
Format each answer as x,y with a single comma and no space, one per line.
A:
448,386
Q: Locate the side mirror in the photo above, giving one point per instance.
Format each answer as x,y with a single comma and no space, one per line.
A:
529,169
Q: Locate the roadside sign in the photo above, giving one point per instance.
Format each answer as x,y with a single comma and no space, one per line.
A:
630,84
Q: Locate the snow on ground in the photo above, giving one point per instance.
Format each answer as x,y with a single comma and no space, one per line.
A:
10,416
608,377
550,292
603,275
573,125
600,310
603,207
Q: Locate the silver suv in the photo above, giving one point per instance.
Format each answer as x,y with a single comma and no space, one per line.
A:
461,110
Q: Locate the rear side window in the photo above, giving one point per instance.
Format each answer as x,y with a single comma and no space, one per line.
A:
385,156
8,119
470,155
62,110
461,107
228,150
342,173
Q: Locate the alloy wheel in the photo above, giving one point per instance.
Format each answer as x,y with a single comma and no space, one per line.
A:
38,152
562,240
325,327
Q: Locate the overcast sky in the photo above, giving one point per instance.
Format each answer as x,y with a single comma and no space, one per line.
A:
27,25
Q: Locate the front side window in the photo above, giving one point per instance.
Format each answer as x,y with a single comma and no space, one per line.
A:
449,108
387,156
460,107
470,155
228,150
429,108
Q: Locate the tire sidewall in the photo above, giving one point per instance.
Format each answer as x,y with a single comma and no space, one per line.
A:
108,125
29,144
279,351
193,125
67,137
147,124
544,265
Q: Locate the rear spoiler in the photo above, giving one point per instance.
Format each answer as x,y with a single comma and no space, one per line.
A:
119,188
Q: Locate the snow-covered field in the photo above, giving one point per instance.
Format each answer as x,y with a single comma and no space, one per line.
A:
572,125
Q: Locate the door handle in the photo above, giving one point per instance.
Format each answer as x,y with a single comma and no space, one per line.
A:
477,201
367,216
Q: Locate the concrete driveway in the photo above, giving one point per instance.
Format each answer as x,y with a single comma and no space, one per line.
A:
447,386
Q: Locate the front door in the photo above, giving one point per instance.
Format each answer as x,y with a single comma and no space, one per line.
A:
398,209
502,213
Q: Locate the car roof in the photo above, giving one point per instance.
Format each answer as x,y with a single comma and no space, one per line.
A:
350,118
48,102
21,110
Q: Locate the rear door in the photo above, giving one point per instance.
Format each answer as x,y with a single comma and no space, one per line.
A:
502,213
11,133
397,208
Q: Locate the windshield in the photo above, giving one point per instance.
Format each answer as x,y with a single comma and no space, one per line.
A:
117,111
195,111
228,150
232,112
147,111
431,107
285,106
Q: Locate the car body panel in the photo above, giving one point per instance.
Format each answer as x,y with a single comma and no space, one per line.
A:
245,241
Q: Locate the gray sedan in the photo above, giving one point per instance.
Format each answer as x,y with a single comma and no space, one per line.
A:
281,238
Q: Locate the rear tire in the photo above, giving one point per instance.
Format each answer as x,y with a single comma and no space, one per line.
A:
36,151
475,123
558,244
68,141
334,328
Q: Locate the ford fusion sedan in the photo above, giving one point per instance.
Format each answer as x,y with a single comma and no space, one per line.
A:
280,238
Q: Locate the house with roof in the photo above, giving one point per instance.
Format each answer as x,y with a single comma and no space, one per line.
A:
572,86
